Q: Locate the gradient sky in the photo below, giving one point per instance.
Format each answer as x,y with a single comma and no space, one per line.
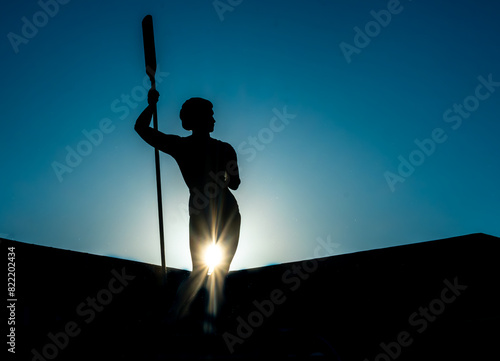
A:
353,116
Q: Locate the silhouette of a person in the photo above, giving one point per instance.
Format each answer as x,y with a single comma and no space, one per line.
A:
209,168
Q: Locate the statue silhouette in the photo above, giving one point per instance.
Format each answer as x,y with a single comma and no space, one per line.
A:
209,168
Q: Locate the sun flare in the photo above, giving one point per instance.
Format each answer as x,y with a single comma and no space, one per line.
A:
213,256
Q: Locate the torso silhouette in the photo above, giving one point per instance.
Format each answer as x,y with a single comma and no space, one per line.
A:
208,167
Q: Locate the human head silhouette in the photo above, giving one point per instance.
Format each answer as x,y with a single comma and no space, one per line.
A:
197,115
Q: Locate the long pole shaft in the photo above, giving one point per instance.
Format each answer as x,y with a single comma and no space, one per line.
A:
150,60
158,191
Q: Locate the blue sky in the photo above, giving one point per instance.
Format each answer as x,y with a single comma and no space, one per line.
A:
390,135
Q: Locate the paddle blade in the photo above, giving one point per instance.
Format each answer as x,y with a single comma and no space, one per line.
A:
149,45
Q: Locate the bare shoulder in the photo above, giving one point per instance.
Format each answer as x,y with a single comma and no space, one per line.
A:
224,145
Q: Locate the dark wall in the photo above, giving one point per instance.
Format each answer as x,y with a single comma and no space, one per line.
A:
431,300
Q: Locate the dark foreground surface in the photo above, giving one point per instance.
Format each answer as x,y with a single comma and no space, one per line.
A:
434,300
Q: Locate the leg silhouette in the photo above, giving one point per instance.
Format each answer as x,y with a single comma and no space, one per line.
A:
203,229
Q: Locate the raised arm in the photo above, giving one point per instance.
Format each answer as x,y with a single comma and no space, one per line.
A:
155,138
143,121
